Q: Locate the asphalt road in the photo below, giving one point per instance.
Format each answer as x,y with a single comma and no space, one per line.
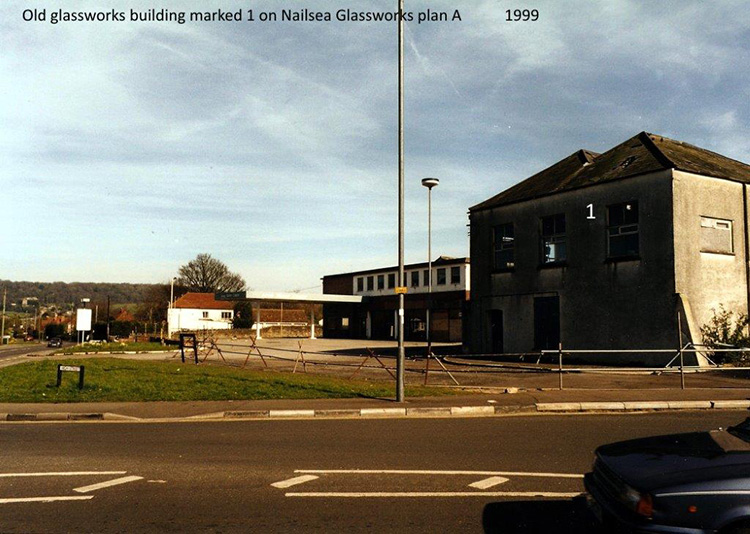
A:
426,475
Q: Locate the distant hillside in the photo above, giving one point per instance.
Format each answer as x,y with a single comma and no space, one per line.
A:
61,293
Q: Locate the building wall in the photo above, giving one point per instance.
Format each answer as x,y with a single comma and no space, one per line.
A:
603,304
709,279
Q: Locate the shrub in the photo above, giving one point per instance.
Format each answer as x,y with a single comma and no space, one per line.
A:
724,329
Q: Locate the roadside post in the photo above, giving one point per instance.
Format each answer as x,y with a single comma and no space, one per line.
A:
559,363
72,369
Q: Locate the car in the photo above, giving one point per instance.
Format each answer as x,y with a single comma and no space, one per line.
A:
54,342
681,483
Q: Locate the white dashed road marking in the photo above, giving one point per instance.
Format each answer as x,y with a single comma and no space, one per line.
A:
430,472
63,474
488,482
550,495
294,481
46,499
107,484
493,478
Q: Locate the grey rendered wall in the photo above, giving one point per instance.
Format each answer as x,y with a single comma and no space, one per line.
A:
603,304
709,280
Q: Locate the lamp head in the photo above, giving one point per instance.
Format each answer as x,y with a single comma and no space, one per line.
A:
429,183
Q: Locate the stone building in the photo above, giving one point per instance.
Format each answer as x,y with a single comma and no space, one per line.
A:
606,251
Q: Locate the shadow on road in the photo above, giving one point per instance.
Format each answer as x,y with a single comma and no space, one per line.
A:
525,517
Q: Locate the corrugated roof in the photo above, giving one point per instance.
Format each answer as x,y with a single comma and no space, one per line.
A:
201,301
641,154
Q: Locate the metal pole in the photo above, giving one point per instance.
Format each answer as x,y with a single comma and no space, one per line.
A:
108,320
401,354
429,268
2,327
559,363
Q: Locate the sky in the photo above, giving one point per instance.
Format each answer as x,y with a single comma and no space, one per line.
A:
129,147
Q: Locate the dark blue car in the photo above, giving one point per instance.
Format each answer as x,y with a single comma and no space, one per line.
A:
682,483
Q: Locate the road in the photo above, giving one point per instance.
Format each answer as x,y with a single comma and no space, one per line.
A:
13,354
425,475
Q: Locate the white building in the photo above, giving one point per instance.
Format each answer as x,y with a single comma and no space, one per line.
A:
199,311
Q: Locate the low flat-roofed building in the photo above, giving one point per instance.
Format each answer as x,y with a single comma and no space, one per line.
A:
376,316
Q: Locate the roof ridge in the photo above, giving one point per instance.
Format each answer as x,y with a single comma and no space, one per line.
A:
645,138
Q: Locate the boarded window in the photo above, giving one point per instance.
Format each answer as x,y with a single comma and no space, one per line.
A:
504,243
716,235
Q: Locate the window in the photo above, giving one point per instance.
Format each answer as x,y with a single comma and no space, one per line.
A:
381,281
622,230
441,277
426,278
554,241
345,323
205,315
391,280
360,283
226,315
503,246
716,236
455,275
370,283
415,279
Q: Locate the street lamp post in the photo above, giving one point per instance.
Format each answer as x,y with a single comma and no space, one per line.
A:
171,290
401,358
429,183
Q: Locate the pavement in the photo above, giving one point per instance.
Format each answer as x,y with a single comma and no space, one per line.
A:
506,391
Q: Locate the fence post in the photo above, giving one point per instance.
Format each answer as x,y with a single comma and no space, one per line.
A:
559,362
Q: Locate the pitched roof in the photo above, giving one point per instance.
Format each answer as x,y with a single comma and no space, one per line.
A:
201,301
641,154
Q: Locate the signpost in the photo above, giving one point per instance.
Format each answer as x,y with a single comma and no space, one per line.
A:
72,369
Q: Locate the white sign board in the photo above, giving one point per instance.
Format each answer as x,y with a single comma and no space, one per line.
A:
83,319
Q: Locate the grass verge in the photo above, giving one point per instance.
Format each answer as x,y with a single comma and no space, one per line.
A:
119,347
114,380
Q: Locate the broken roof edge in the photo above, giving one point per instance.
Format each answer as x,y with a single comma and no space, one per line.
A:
577,188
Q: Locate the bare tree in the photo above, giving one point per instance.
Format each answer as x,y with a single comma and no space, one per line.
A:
205,274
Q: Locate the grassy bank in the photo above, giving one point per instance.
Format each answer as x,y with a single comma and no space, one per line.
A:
113,380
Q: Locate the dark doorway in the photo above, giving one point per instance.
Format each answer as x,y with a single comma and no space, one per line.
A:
496,331
546,322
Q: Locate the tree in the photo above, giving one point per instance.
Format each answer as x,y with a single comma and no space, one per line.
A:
208,275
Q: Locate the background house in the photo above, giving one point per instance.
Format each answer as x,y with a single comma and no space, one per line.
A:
601,251
199,311
375,317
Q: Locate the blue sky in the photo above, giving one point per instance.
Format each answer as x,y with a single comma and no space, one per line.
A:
127,148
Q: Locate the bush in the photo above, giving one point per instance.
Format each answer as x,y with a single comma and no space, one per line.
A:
724,329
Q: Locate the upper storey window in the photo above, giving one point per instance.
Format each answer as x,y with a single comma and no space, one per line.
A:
554,240
716,236
504,245
622,230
